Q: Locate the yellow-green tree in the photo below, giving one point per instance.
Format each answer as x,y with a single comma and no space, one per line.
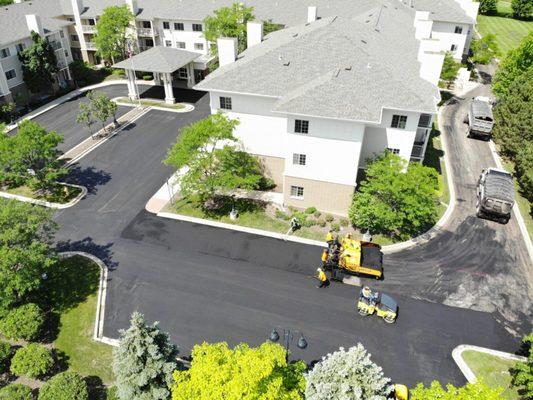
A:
241,373
471,391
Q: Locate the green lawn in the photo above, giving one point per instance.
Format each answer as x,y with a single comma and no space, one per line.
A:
62,195
509,32
74,288
494,371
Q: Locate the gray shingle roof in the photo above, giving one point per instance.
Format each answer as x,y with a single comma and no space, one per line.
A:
13,26
336,67
159,59
441,10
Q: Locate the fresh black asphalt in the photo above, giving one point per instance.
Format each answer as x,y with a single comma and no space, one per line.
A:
212,284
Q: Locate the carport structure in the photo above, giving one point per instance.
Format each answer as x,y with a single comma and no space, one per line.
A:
162,62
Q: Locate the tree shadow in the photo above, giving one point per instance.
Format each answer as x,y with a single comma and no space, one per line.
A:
97,389
89,177
433,155
87,245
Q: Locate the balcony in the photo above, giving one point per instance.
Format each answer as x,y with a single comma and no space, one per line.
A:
90,46
147,32
75,43
55,45
61,64
88,28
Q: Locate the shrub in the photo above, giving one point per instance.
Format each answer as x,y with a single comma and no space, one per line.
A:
65,386
266,184
321,223
488,7
117,71
335,227
147,77
16,391
317,214
33,361
309,222
310,210
344,222
24,322
522,8
329,217
281,215
524,170
5,353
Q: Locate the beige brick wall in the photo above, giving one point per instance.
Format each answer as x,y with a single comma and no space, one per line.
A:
325,196
273,169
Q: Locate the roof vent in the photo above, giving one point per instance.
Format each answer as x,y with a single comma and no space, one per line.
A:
368,66
364,41
287,63
348,68
280,57
295,35
337,72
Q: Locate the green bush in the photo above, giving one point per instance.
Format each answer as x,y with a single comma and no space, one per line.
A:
310,210
329,217
524,170
317,214
24,322
344,222
309,222
33,360
147,77
321,223
300,217
65,386
5,353
16,391
281,215
117,71
488,7
335,227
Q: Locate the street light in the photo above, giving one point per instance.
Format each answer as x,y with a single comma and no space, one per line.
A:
288,336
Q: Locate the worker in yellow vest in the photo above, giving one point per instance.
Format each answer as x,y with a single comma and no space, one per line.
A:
322,278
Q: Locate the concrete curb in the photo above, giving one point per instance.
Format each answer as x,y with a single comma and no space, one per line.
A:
516,209
186,106
44,203
457,355
60,100
98,334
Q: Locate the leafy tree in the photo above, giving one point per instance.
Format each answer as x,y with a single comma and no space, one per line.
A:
522,8
450,68
396,197
517,62
228,22
476,391
25,249
144,361
31,157
242,373
16,391
65,386
7,112
5,354
514,116
522,373
207,150
39,64
24,322
484,49
86,116
524,170
112,34
103,107
488,7
347,375
5,2
33,360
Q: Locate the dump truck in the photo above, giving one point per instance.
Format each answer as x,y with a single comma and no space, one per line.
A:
355,257
495,195
479,118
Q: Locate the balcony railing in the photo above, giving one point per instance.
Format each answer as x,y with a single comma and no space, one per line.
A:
75,43
90,46
55,45
146,32
61,64
88,28
417,151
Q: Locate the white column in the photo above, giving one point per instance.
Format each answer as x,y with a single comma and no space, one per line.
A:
190,75
133,94
157,78
169,94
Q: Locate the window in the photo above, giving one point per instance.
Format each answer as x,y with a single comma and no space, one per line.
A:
182,73
393,151
20,47
178,26
197,27
198,46
225,103
166,25
180,45
297,191
147,24
74,38
454,47
458,29
92,22
66,53
70,19
5,53
424,120
61,34
11,74
149,42
301,126
299,159
168,43
399,121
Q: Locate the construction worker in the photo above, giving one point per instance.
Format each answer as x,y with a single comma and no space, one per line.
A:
322,278
325,256
330,239
346,239
368,295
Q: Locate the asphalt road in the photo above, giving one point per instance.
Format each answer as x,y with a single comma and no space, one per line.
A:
211,284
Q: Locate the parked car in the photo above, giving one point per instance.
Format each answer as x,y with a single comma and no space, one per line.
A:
495,195
479,118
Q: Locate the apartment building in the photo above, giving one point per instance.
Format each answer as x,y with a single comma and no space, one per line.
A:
16,23
317,100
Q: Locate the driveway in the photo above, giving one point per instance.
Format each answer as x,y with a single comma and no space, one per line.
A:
211,284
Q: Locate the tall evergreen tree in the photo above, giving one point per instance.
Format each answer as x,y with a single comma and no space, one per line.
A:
144,361
39,64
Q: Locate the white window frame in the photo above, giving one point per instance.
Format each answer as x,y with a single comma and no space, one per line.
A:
168,43
199,46
301,126
458,30
299,159
453,47
181,45
179,26
182,73
197,27
146,24
225,103
401,122
20,47
14,74
393,150
168,25
297,192
5,51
